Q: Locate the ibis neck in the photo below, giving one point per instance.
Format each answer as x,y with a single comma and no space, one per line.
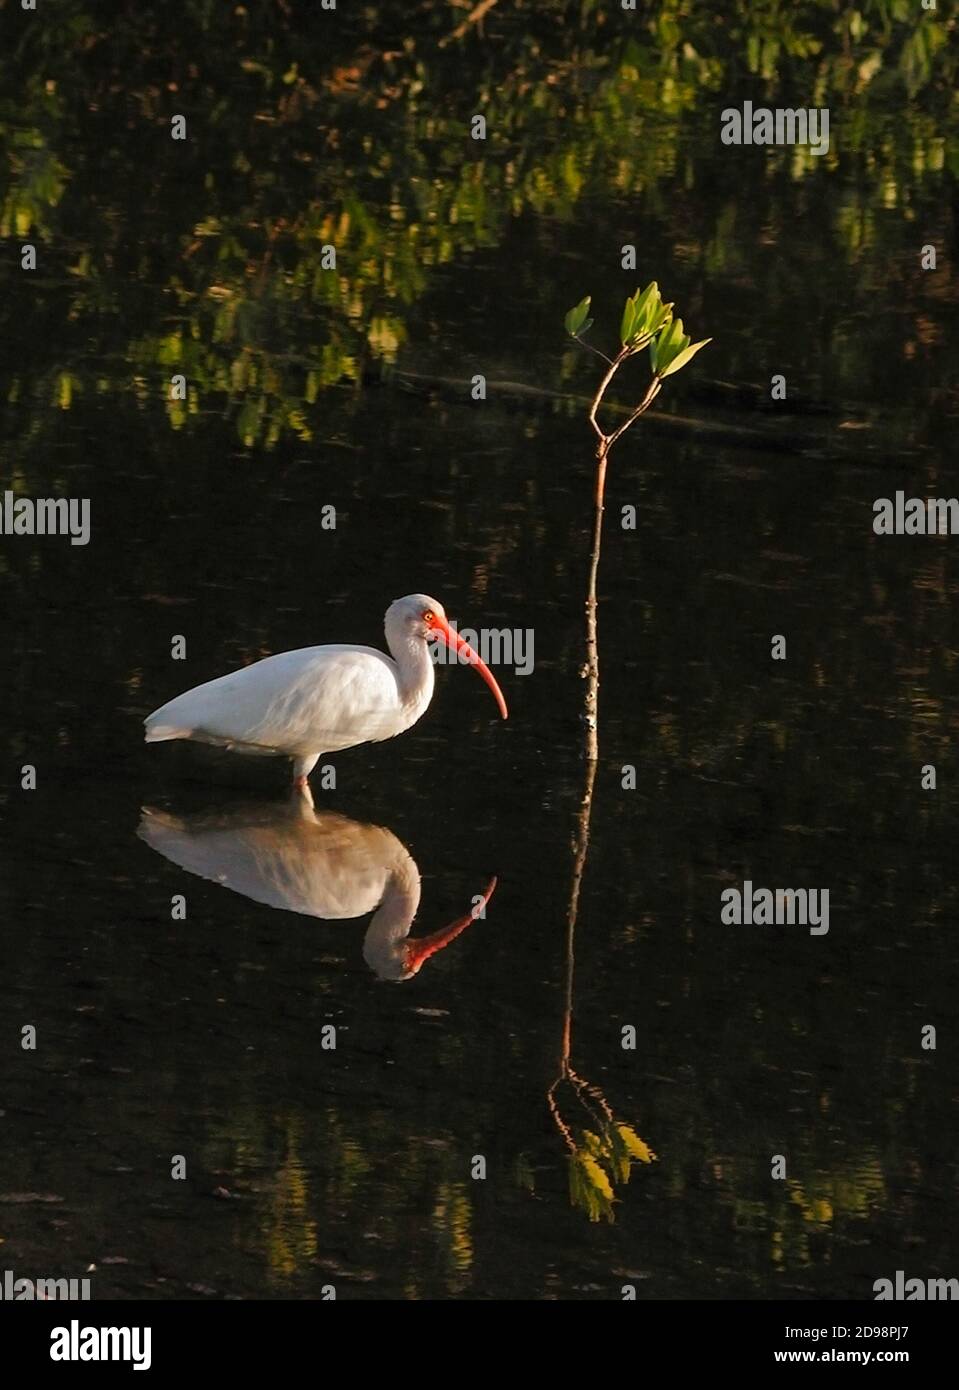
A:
414,668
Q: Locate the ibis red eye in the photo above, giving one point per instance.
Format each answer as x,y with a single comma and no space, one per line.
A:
428,617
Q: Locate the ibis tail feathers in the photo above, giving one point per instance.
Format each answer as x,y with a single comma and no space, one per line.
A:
160,733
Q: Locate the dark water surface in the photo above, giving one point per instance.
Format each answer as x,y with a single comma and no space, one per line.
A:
204,1037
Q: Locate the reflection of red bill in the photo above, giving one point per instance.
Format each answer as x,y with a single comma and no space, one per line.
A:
425,946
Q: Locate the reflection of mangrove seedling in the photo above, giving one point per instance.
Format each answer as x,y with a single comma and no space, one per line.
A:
599,1157
646,323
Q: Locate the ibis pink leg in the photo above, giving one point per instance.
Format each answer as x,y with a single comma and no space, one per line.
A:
302,767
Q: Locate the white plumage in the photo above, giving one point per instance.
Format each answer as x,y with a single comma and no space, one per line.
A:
321,699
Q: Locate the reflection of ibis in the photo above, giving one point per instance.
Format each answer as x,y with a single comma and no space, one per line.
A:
318,863
321,699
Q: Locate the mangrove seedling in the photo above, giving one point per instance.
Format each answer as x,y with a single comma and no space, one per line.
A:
647,324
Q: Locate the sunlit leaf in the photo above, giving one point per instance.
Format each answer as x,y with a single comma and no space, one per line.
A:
684,356
576,317
627,322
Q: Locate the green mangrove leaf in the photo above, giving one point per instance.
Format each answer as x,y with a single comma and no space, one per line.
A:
686,354
576,317
628,322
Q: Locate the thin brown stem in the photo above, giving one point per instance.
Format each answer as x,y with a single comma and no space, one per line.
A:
583,343
651,394
591,713
604,444
601,389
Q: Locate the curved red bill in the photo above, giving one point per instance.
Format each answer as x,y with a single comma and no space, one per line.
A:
419,950
459,645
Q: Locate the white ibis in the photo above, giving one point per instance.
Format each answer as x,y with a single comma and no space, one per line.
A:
322,699
324,865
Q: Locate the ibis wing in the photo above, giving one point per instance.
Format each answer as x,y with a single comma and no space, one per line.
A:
318,699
